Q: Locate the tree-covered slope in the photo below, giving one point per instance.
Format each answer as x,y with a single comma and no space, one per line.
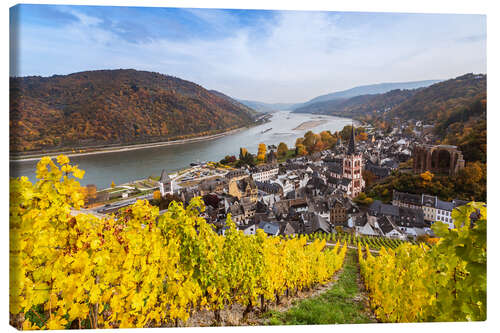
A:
114,107
442,99
371,89
358,105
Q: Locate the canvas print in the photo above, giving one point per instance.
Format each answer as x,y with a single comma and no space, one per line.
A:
174,167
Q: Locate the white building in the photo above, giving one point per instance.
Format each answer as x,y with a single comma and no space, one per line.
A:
443,212
265,172
286,184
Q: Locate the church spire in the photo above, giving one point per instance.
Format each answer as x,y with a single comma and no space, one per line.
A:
352,148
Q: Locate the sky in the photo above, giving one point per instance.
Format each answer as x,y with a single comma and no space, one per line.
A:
268,56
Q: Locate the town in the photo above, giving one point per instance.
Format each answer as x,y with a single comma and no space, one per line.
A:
315,193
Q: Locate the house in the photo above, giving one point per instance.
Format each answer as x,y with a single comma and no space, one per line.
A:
367,225
248,229
286,184
338,213
316,186
403,217
299,206
320,206
287,229
429,203
270,228
408,200
314,223
269,188
389,228
443,212
248,207
237,213
262,173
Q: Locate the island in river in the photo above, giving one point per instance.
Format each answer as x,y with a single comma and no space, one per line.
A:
307,125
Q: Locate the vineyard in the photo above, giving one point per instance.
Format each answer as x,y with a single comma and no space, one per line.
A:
139,269
444,283
373,242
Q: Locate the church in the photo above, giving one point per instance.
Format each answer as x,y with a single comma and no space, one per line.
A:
346,168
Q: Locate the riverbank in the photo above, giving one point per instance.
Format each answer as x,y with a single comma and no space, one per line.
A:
127,165
104,150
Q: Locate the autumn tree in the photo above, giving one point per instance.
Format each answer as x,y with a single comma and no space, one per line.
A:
362,199
282,149
317,147
261,154
243,153
246,158
309,140
300,150
299,141
156,195
427,176
327,138
471,180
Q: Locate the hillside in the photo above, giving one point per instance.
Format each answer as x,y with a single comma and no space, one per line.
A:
109,107
235,102
442,99
358,105
371,89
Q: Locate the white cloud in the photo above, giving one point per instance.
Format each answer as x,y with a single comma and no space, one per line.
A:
290,58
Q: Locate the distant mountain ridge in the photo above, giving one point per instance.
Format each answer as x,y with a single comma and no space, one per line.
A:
267,107
108,107
358,105
370,89
430,103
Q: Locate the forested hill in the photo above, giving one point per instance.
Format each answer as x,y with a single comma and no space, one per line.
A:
107,107
431,104
372,89
359,105
442,99
235,102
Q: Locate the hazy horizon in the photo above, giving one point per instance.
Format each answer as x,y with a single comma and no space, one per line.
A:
272,56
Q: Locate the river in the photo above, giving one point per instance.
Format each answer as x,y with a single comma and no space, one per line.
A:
125,166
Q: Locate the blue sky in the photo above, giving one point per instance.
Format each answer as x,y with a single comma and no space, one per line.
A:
270,56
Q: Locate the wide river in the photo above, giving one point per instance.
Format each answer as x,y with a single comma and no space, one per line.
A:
125,166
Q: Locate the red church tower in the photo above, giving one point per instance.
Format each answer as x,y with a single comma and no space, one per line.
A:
353,167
